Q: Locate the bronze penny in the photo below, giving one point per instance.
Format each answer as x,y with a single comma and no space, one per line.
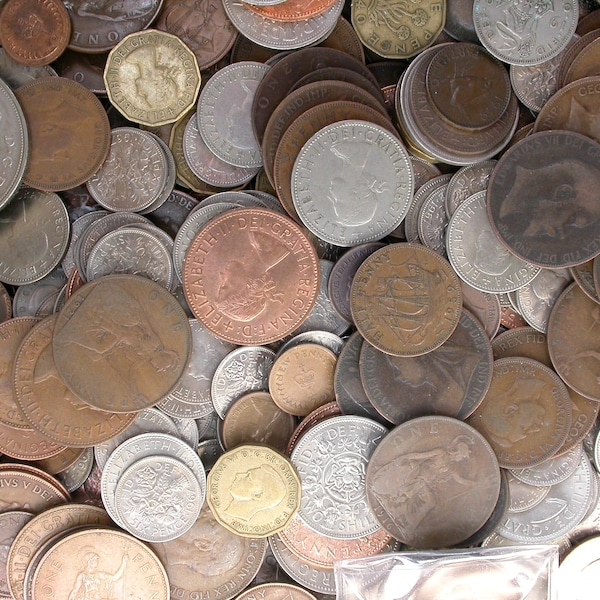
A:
26,444
585,64
573,341
344,38
121,343
571,52
34,32
588,23
5,304
583,274
291,10
584,413
559,172
524,342
251,276
526,414
29,489
331,409
46,402
406,299
422,471
62,461
69,133
86,69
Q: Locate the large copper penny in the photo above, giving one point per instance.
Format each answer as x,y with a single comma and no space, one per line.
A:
526,414
251,276
29,489
433,482
69,133
34,32
26,444
406,299
558,172
121,343
275,591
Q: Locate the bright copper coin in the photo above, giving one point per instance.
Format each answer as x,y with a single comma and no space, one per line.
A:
406,299
46,402
121,343
331,409
69,133
251,276
526,414
291,10
5,304
34,32
26,444
559,172
29,489
433,482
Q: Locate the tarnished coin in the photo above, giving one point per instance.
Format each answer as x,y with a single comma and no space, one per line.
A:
274,591
526,342
485,307
210,560
551,471
26,444
406,299
30,489
16,74
69,133
75,475
152,77
5,304
65,459
331,409
251,276
253,491
116,558
432,482
11,523
526,414
121,343
467,181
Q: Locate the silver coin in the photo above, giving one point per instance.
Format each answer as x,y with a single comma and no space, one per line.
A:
11,523
187,430
331,460
477,255
142,446
166,240
74,477
34,235
31,297
208,426
243,370
134,173
551,471
411,222
578,573
171,171
525,33
432,221
225,113
15,74
15,148
323,338
352,183
524,496
485,306
158,498
467,181
77,228
209,452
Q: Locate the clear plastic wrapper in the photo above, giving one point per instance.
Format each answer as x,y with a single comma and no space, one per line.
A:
508,573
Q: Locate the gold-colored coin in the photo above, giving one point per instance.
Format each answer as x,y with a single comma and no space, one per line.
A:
152,77
253,491
395,29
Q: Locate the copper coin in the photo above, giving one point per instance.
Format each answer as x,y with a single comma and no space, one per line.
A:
291,10
62,461
573,341
406,300
559,172
26,444
585,64
29,489
251,276
86,69
583,274
571,52
69,133
331,409
5,304
433,482
588,23
526,414
121,343
46,402
525,342
34,32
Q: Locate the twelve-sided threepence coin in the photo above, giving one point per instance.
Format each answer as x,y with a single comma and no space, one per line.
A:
352,182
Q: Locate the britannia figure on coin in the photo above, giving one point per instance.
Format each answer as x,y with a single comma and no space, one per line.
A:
94,584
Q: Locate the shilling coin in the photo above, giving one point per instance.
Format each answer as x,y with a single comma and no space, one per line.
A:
16,74
466,182
331,409
551,471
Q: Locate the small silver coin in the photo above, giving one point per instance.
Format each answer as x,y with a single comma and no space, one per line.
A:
551,471
74,477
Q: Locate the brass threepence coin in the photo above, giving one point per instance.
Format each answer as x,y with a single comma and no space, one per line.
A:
251,276
121,343
433,482
406,299
69,133
558,225
253,491
526,414
152,77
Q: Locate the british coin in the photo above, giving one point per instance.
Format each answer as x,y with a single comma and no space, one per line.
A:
5,304
65,459
86,69
478,257
209,452
31,299
78,227
152,77
253,490
331,409
171,169
526,414
524,496
552,239
536,36
467,181
421,470
121,558
74,476
187,430
26,444
69,133
226,127
288,11
522,341
324,338
485,306
369,196
171,215
11,522
577,570
142,353
433,221
16,74
583,274
47,404
405,299
551,471
30,489
265,296
584,64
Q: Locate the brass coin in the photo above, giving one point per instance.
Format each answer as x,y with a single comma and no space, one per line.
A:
406,299
253,491
251,276
69,133
121,343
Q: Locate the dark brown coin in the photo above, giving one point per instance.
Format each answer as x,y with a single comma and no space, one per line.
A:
583,274
121,343
571,53
69,133
433,482
526,414
28,488
406,300
344,38
26,444
34,32
524,342
584,413
86,69
558,172
588,23
5,304
585,64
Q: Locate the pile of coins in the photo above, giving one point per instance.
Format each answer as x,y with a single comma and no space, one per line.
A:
285,283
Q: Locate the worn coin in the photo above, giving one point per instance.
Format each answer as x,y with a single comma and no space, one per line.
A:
75,475
30,489
11,522
65,459
551,471
26,444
